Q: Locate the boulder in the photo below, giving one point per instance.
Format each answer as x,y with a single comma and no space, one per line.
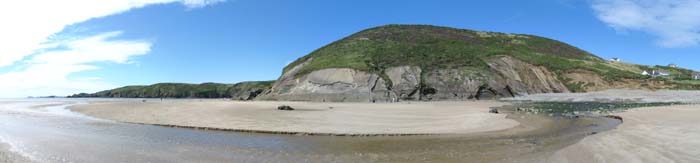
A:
285,107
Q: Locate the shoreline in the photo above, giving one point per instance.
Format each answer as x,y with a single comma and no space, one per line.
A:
6,155
284,132
313,119
648,134
536,135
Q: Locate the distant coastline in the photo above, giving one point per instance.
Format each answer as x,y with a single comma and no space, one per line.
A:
238,91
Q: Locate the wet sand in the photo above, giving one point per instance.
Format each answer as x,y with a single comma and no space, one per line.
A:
48,133
651,134
656,134
314,118
6,156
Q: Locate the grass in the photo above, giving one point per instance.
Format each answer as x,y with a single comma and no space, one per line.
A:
432,47
182,90
676,73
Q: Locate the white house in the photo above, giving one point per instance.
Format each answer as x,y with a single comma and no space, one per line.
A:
657,73
660,73
615,59
696,76
672,65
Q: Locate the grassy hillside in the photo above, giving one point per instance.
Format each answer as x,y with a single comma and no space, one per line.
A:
438,47
433,47
430,48
181,90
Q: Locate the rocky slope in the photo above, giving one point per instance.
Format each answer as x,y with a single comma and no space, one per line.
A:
419,62
512,78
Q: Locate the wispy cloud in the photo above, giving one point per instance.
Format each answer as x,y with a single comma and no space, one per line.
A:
29,23
676,23
29,36
200,3
47,72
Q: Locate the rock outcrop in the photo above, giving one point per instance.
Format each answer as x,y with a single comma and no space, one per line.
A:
447,84
508,77
332,85
406,82
515,78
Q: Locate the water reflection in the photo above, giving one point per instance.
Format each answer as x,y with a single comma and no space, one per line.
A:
52,134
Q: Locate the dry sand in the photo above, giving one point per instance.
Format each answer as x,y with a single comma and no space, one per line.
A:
657,134
325,118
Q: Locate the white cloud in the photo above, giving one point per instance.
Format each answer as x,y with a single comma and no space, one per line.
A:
28,27
26,24
47,72
676,23
200,3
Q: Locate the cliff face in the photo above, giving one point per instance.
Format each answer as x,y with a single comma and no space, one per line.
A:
419,62
335,84
509,77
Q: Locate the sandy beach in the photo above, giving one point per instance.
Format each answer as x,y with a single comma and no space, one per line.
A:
321,118
656,134
651,134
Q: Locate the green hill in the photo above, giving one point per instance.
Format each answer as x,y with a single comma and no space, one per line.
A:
432,62
434,47
243,90
419,62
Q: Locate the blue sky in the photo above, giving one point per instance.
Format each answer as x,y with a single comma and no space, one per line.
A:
196,41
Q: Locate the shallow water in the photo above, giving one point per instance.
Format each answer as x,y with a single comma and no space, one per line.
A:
50,133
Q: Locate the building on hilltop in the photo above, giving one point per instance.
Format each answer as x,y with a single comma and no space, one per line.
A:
657,73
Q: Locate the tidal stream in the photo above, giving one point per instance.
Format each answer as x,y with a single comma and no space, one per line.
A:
44,131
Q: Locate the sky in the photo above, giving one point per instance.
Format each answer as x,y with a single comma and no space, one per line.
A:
72,46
